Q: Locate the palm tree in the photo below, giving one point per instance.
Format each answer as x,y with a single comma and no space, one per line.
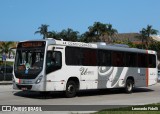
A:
52,34
43,30
110,32
5,48
87,37
143,36
146,34
69,35
97,31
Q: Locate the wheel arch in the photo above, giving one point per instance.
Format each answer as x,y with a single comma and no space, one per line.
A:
76,80
129,84
131,78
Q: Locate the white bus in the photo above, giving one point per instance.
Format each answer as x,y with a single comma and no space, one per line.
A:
53,65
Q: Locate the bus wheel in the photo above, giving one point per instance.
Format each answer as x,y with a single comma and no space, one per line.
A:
70,89
129,86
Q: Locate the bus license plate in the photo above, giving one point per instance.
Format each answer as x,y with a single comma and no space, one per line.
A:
23,88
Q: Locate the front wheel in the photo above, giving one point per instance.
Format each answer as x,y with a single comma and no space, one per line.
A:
70,89
129,86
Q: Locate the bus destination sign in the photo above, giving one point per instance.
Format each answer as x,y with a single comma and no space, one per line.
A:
31,44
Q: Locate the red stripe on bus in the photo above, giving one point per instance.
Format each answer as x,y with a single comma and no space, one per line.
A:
147,77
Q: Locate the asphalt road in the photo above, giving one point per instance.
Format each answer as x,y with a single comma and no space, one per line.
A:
140,96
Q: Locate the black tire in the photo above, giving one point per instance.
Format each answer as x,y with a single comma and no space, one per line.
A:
71,89
129,86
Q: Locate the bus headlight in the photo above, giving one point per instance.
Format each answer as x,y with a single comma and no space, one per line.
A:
39,79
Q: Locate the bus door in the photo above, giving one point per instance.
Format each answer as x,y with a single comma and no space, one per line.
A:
53,65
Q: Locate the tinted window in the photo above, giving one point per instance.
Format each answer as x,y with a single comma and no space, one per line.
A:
89,57
93,57
142,60
104,58
81,56
73,56
152,61
53,61
118,59
131,59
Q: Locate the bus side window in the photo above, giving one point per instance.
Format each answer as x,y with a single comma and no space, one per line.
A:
142,60
152,61
131,59
53,61
104,57
118,59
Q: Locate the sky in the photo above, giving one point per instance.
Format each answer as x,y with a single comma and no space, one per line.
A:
19,19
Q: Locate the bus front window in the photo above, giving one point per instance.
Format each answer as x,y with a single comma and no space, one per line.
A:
29,62
53,61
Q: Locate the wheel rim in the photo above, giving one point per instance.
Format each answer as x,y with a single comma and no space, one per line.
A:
71,89
129,86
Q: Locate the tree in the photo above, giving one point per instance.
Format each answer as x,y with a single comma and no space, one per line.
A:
5,48
68,35
142,37
52,34
97,31
87,37
43,30
146,35
110,32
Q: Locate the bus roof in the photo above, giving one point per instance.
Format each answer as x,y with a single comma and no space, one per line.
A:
51,41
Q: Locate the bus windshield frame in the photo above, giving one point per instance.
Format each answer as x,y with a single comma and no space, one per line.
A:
29,59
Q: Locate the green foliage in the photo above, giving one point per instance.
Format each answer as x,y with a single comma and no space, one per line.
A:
8,63
87,37
97,33
154,46
145,35
5,48
97,30
68,35
52,34
43,30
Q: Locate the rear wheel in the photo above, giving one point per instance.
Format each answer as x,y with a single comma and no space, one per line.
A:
70,89
129,86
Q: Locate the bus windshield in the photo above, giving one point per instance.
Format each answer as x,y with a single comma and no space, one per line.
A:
29,62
